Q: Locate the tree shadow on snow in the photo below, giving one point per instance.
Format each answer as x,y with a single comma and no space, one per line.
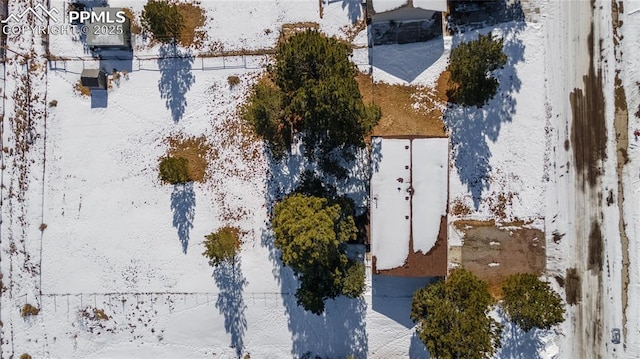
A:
340,331
230,303
471,128
183,205
354,9
392,296
417,349
518,344
175,78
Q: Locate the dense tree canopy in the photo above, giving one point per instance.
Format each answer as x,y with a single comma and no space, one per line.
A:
470,65
311,92
162,19
174,170
311,235
222,246
530,302
452,317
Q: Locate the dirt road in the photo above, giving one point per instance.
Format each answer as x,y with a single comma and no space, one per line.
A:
576,94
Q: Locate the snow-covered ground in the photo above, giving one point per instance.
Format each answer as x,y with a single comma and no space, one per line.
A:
118,240
232,25
631,77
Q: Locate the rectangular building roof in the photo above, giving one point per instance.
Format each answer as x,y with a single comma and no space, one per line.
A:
409,198
109,34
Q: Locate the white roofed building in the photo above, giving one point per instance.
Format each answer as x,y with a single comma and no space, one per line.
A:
409,201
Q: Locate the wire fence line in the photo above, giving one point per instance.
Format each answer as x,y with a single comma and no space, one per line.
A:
120,303
154,63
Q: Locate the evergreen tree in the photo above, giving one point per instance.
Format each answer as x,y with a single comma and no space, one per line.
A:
162,19
470,66
311,235
222,246
174,170
263,111
452,317
319,98
530,302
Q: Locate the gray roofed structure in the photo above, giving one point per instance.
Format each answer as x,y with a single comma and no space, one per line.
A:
103,34
93,79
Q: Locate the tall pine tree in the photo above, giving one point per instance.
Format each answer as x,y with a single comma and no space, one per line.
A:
311,235
452,317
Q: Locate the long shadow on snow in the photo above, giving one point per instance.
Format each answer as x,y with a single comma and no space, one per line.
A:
230,303
354,8
518,344
175,79
340,331
417,349
183,205
471,127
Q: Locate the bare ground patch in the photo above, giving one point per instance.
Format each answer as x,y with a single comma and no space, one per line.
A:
493,253
573,288
193,20
406,110
196,150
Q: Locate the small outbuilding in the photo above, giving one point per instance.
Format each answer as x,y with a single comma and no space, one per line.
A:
107,34
94,79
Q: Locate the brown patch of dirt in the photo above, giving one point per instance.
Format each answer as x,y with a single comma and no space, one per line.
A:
459,208
351,31
588,128
418,264
134,24
573,287
493,253
81,90
290,29
196,150
596,248
399,116
193,20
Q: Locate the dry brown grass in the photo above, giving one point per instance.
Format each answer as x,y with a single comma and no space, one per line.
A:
351,31
133,20
28,310
466,224
399,116
81,90
459,208
94,314
196,150
293,28
193,20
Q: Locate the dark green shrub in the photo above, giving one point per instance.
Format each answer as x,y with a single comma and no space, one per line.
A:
222,246
174,170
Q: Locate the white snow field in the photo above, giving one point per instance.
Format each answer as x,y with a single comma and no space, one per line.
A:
118,240
630,66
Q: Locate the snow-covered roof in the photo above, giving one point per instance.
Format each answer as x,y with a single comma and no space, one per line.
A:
409,193
380,6
436,5
109,34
